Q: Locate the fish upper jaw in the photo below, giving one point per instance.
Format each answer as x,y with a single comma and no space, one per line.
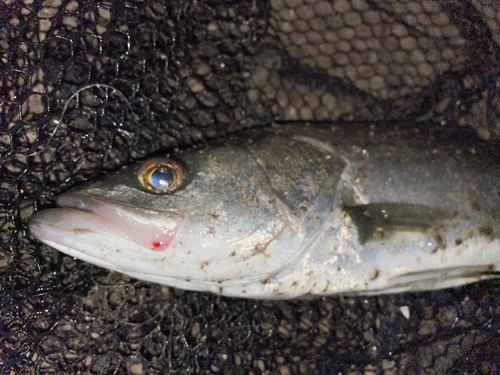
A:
83,213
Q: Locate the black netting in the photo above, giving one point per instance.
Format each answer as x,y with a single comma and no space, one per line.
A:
89,86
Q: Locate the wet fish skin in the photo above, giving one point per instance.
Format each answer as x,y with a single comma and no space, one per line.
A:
298,210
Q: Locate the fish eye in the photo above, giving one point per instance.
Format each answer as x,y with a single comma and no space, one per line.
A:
161,175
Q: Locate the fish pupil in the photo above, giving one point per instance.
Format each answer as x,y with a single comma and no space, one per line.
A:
162,178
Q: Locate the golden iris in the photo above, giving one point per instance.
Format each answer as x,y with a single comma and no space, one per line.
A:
161,175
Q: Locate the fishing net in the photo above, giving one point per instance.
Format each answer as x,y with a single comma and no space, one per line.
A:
89,86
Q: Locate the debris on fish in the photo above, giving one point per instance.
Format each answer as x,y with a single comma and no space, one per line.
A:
294,210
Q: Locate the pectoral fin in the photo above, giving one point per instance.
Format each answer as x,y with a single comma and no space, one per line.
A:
374,220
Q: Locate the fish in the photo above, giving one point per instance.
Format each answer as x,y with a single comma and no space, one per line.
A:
294,211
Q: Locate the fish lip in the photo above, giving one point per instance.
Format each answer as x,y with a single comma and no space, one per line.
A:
116,215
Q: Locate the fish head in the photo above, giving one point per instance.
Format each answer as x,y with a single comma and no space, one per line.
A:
207,216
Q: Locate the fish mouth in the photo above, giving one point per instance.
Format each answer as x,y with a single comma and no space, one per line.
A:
84,215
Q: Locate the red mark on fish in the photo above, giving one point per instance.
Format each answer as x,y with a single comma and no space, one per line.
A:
163,240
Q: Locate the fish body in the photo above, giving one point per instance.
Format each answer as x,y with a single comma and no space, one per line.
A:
294,210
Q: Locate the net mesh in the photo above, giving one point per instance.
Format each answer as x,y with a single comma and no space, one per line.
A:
89,86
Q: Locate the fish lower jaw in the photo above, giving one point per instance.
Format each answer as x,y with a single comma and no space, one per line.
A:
84,257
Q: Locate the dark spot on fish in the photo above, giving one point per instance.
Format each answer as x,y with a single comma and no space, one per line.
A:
375,276
338,269
439,242
221,289
203,264
475,206
310,273
295,283
471,234
216,217
233,254
458,241
259,249
326,286
485,230
78,230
